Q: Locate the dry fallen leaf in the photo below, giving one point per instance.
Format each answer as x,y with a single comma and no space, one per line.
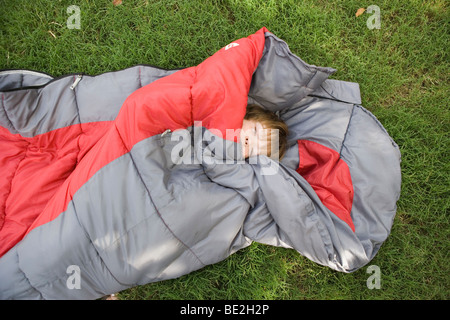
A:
117,2
360,11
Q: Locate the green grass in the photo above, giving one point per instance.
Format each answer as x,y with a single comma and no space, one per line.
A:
403,71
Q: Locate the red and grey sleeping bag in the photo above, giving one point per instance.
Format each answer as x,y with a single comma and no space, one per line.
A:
136,176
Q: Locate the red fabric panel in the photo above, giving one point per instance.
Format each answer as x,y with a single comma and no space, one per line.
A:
105,150
161,105
33,169
329,176
221,91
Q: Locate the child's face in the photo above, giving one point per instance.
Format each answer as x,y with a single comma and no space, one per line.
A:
254,139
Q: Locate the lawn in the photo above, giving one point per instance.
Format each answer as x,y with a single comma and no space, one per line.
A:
403,72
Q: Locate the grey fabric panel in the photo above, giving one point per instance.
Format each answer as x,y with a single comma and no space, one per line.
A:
281,212
293,210
282,78
148,74
344,251
285,211
321,117
16,79
47,252
374,162
312,120
339,90
211,230
125,226
13,282
291,158
302,222
100,98
146,223
30,112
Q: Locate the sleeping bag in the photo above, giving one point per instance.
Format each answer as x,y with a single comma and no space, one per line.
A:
136,176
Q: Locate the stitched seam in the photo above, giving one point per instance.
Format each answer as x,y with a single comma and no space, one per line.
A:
310,79
333,97
346,131
140,79
86,234
26,278
6,113
79,120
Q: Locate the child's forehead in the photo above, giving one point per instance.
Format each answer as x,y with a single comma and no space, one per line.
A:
254,123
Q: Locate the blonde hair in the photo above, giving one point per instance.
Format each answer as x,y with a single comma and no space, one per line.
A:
271,121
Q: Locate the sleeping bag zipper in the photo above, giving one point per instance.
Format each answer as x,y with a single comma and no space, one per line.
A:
77,80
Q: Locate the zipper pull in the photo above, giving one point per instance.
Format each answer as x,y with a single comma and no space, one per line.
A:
165,132
75,83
